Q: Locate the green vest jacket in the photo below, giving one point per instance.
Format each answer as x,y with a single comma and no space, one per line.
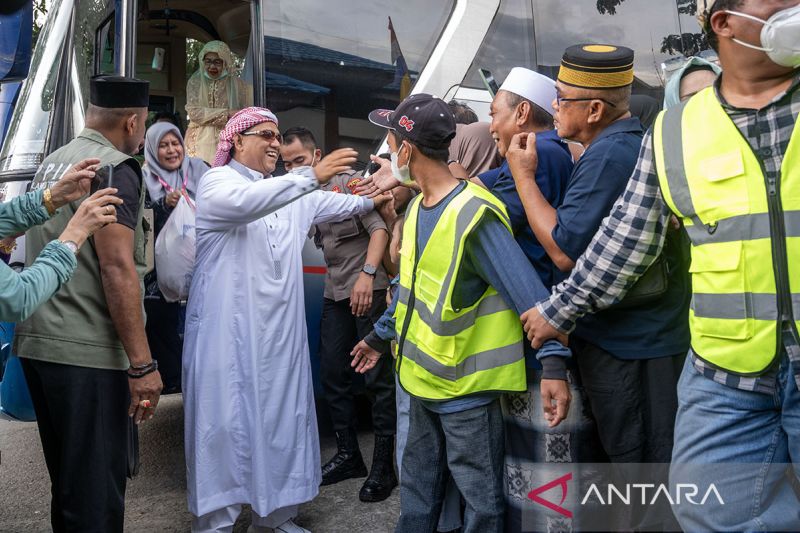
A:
74,327
745,233
445,352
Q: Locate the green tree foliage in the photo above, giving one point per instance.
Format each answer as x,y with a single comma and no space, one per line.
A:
608,6
39,15
688,44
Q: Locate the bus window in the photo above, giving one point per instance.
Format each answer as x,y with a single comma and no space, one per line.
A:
104,53
329,63
169,37
638,24
89,16
59,79
509,43
535,33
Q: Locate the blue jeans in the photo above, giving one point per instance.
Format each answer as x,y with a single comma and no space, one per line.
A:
760,433
469,443
450,517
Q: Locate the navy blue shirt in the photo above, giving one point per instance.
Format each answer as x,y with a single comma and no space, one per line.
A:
649,330
489,178
552,176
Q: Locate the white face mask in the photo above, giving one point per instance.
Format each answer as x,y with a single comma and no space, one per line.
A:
780,36
402,174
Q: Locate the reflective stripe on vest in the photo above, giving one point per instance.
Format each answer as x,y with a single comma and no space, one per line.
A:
487,306
488,360
447,352
710,176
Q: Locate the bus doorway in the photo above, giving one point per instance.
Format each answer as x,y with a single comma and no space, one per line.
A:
170,35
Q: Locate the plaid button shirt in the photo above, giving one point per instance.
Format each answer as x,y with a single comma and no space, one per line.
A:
632,236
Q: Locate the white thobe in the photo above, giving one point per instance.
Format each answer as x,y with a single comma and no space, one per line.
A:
250,423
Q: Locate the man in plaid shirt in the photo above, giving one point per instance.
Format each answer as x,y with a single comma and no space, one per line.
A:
723,417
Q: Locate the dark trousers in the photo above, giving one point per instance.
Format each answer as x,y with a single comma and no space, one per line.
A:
339,333
82,414
470,445
163,336
634,402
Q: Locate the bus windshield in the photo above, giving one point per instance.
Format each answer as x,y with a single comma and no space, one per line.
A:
329,64
535,33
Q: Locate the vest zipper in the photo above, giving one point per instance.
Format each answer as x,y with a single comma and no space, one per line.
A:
780,261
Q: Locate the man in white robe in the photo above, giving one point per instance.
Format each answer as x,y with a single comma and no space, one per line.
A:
250,427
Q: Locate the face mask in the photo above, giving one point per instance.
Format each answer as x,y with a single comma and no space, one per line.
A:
402,174
779,36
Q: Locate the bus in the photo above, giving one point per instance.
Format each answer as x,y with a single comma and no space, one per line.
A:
320,64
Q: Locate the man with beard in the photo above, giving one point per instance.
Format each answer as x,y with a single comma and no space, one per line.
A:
251,429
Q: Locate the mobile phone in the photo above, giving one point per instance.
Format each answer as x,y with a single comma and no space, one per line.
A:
488,81
373,167
104,178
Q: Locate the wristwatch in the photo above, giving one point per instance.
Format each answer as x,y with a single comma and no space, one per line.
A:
369,270
73,247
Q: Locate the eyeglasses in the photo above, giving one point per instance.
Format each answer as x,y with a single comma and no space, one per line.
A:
559,99
268,135
216,62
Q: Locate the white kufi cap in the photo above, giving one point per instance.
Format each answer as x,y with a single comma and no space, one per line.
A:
531,85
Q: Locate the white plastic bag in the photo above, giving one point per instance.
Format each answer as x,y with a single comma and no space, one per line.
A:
175,247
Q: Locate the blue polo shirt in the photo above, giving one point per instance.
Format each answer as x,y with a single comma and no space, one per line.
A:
552,176
650,330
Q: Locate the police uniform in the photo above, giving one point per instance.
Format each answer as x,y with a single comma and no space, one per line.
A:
344,245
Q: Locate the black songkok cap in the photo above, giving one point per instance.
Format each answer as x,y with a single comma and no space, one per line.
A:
597,66
116,92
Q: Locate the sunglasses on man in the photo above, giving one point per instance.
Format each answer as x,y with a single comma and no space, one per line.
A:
267,135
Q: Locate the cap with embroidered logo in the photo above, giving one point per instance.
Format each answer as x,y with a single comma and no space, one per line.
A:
422,118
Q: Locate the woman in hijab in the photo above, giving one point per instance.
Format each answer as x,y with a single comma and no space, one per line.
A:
214,93
168,174
695,75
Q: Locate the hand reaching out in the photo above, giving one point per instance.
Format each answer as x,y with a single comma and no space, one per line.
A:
334,163
365,357
378,182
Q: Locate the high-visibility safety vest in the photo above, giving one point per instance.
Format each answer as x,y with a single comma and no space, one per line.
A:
744,230
446,352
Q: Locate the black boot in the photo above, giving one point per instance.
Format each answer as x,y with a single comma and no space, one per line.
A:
347,462
382,478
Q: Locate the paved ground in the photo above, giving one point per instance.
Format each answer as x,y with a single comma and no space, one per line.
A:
156,499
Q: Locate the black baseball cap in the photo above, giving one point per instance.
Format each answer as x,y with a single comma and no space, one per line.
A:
422,118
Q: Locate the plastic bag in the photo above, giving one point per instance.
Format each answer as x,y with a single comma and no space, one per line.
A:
175,248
